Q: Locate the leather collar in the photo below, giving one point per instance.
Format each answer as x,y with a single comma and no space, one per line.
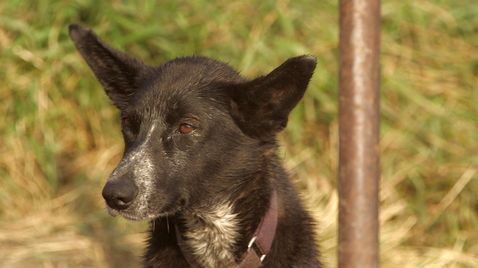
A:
259,245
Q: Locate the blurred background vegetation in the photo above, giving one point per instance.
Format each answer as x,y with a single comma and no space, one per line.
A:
60,137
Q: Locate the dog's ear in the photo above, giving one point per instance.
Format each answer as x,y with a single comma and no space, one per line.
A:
261,106
116,71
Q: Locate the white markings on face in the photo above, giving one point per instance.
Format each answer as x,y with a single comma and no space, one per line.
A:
140,163
142,172
210,234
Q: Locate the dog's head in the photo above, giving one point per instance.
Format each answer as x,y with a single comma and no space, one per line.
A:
193,127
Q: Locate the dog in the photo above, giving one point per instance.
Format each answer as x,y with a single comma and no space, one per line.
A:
200,159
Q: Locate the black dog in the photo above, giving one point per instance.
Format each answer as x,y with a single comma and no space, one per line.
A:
200,159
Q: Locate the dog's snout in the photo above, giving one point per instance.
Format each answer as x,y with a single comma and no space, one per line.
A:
119,194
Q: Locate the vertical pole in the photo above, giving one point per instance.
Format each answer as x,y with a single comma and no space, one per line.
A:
359,170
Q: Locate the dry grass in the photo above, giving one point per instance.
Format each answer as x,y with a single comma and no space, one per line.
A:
60,138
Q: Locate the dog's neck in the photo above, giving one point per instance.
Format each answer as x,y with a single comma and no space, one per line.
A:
220,235
217,231
207,236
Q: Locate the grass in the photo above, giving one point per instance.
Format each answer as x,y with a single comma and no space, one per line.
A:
60,138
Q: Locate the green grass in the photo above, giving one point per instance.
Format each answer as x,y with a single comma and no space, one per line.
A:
60,138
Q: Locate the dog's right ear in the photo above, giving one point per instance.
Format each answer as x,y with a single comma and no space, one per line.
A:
116,71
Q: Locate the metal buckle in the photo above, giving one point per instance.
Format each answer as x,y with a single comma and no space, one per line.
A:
251,242
262,257
256,249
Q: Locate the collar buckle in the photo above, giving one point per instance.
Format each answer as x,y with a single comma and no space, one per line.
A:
256,248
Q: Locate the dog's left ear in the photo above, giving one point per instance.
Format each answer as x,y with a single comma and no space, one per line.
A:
119,73
261,106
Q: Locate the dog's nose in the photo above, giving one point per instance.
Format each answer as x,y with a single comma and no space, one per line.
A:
119,194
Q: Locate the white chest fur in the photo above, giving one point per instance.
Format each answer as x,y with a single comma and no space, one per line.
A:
211,235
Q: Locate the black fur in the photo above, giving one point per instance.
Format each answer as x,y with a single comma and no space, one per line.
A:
229,155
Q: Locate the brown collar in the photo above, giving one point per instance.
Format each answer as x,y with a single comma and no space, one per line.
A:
259,245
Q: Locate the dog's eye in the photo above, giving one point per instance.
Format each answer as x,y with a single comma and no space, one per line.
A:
186,128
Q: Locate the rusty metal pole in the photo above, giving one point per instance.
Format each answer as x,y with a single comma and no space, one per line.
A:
359,171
